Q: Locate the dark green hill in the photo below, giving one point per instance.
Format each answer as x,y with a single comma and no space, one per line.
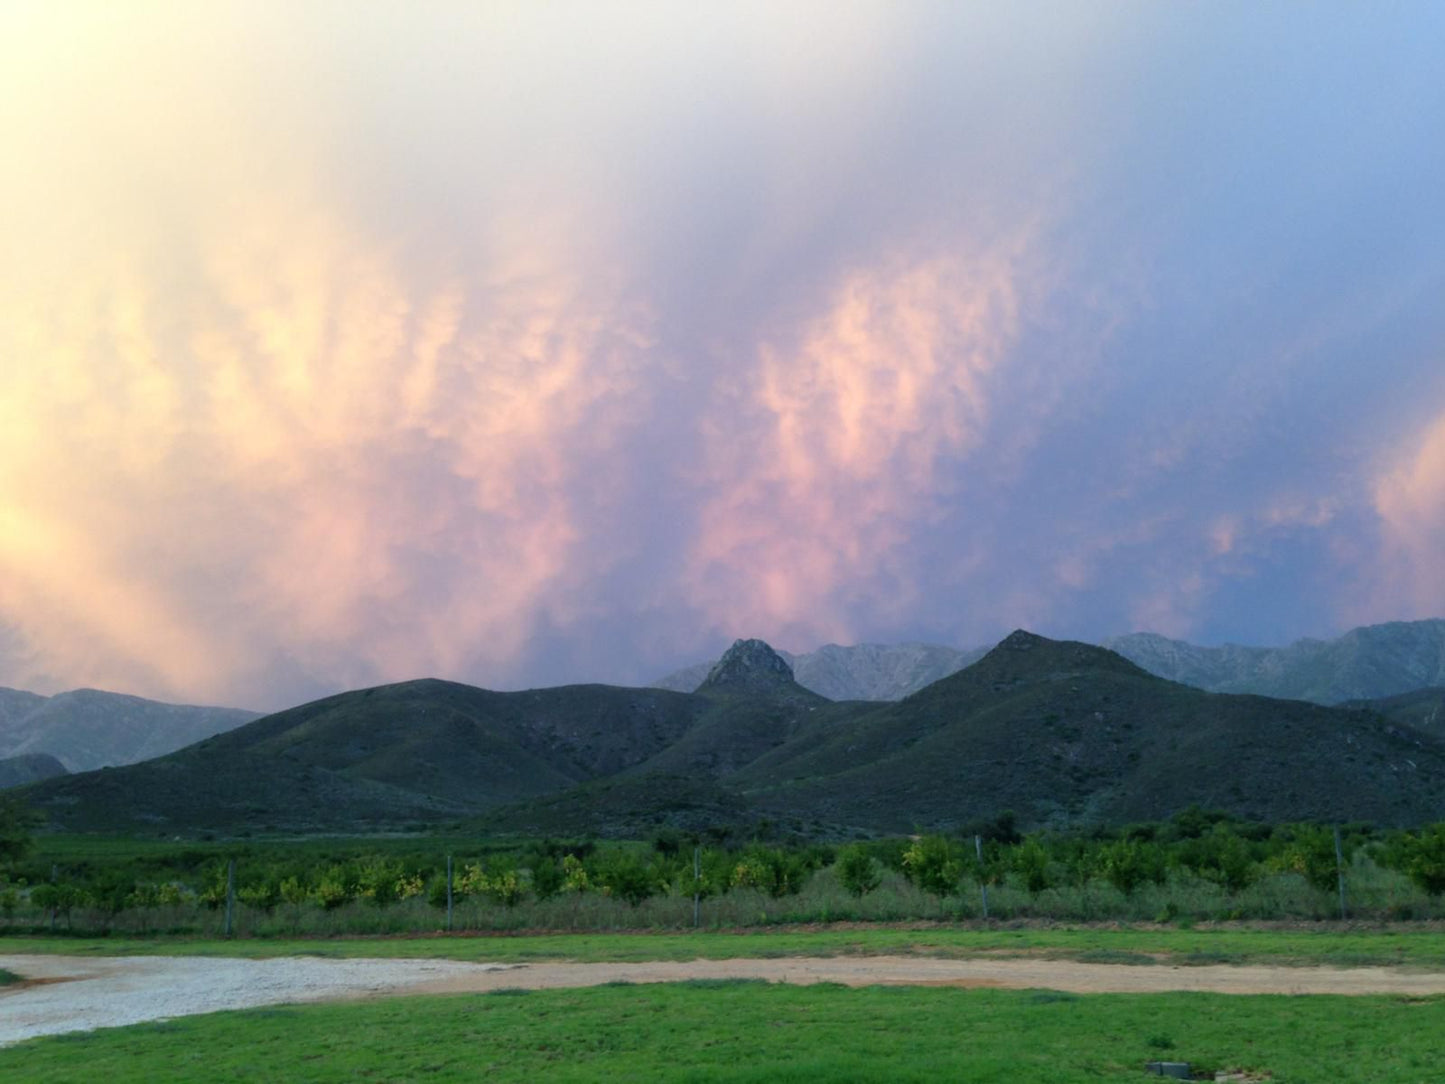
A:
1071,732
629,806
753,706
1060,732
393,754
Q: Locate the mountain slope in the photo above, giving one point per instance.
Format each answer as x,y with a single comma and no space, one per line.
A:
1060,732
418,750
753,706
87,728
1423,709
1070,732
28,768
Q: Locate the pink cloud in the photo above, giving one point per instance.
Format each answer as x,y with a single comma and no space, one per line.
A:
1410,501
839,439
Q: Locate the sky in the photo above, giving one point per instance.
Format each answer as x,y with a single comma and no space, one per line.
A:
522,344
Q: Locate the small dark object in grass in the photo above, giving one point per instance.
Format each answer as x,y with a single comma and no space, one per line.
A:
1159,1042
513,991
1206,959
1116,956
1049,997
1179,1070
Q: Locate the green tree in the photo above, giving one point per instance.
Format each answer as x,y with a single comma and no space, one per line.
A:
1424,859
17,825
934,864
1129,863
1220,856
857,871
1311,854
625,876
777,872
547,877
1030,859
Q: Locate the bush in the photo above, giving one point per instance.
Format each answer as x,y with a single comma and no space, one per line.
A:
934,865
778,873
1128,864
1031,860
1423,859
1310,852
625,876
857,872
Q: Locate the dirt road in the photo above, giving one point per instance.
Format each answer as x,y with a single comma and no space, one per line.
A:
69,993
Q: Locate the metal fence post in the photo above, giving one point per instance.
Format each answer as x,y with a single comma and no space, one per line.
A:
230,895
982,878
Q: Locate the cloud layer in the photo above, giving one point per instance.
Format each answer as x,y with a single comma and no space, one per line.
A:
525,344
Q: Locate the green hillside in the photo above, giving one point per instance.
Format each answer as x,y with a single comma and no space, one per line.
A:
1423,709
420,750
1060,732
1068,732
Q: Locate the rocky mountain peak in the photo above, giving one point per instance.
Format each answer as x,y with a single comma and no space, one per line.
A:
1020,640
751,666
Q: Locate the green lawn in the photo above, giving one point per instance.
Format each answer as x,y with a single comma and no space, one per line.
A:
1402,944
747,1031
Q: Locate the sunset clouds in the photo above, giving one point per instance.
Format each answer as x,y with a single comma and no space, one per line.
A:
531,343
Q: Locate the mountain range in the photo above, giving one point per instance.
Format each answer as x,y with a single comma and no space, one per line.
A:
1396,664
1365,663
1058,731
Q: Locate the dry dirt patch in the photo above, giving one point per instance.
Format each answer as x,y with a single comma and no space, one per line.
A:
78,994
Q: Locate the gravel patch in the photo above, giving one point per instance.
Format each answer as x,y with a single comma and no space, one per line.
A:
68,993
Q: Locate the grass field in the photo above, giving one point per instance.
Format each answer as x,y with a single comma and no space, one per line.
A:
1318,943
748,1031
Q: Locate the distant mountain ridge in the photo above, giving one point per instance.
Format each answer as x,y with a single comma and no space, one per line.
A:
1060,732
28,768
86,728
1366,663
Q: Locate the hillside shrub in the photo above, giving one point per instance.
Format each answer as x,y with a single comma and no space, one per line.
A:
772,870
1129,863
934,864
626,876
1422,858
858,873
1310,852
1031,861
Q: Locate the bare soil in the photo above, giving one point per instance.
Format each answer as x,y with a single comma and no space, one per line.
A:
67,993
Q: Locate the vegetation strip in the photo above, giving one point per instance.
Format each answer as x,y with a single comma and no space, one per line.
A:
739,1031
1413,946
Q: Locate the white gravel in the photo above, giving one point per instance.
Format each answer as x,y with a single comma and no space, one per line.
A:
78,994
